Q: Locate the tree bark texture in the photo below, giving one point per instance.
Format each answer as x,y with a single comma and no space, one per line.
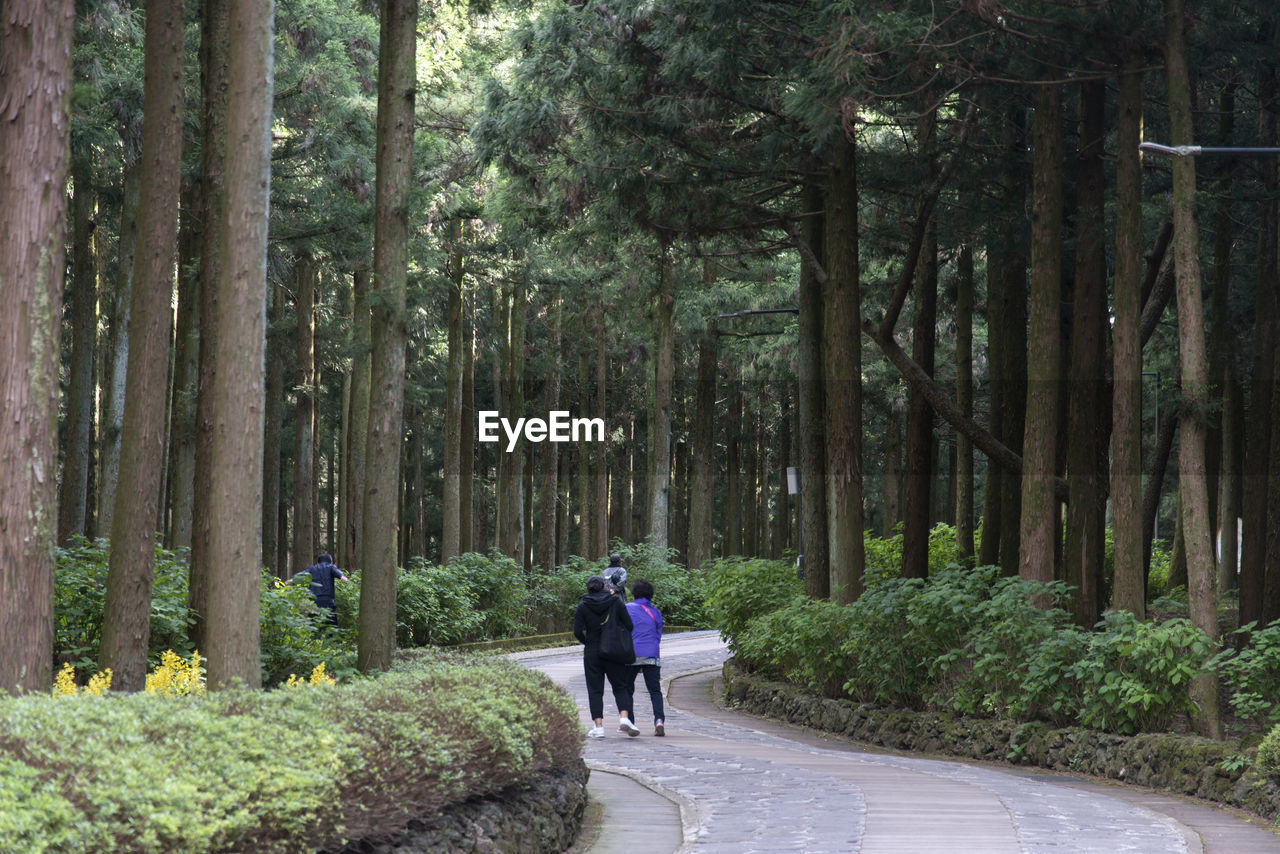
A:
397,82
451,503
235,534
304,475
126,617
842,377
601,500
1084,548
660,395
1128,590
35,51
703,456
73,504
274,413
1039,522
810,398
1192,479
467,456
548,502
214,46
186,374
964,399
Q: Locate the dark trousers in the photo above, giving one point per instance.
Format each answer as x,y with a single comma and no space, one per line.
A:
652,681
596,670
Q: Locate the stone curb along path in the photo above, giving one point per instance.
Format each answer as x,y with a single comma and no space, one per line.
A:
746,786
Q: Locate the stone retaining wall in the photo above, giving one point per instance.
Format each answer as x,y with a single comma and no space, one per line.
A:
1186,765
540,817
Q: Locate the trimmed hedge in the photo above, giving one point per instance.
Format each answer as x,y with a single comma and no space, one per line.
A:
293,770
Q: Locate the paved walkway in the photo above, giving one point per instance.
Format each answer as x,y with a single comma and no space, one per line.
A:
724,783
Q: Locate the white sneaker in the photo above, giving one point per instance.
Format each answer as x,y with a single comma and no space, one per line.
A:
595,732
625,725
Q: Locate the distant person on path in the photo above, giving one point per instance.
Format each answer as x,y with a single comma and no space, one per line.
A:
324,572
647,637
615,577
595,607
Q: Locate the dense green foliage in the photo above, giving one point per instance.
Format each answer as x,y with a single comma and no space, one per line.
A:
968,641
278,771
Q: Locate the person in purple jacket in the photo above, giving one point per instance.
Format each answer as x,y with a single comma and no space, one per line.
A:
647,637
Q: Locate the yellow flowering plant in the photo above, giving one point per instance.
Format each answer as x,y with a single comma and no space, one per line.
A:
176,677
318,677
64,684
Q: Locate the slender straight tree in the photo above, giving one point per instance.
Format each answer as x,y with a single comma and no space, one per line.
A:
964,399
304,443
274,414
451,500
1257,453
354,484
601,526
1126,438
214,44
467,463
842,378
112,417
126,616
1084,546
186,373
235,533
1192,481
661,379
703,454
550,486
73,503
397,83
920,466
809,402
35,51
1039,526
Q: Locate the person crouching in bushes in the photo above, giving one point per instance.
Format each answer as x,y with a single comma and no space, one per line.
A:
647,637
595,607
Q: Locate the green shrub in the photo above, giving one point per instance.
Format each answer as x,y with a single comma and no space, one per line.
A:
1267,761
1252,673
1134,675
280,771
801,642
744,589
473,597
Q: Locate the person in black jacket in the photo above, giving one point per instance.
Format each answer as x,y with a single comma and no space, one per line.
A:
597,606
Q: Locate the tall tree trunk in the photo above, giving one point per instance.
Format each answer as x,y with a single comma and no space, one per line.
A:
810,396
35,51
84,327
918,482
733,464
661,380
214,46
842,377
1015,288
1039,523
548,500
397,82
1128,591
601,506
271,479
1257,453
512,495
126,617
1219,335
586,516
451,502
964,399
113,393
1155,486
467,457
703,456
893,467
355,483
235,536
1085,543
1230,498
750,478
1193,488
304,476
186,374
993,500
